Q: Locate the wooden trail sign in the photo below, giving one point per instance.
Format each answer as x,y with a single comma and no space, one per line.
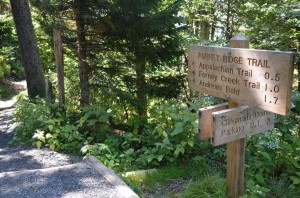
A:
222,125
259,78
240,122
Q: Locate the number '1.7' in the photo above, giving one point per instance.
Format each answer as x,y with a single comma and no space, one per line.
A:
275,99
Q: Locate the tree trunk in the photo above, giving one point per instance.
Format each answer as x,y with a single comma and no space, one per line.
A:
83,66
204,30
228,32
28,48
58,54
204,25
140,69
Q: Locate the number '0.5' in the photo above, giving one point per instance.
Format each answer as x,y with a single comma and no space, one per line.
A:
267,76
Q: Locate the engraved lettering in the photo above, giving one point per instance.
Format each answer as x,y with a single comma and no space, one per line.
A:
254,85
233,130
233,59
208,76
210,85
243,72
234,91
234,81
213,67
207,56
258,62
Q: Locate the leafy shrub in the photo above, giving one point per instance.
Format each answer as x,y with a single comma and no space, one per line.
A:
169,133
30,117
274,154
36,125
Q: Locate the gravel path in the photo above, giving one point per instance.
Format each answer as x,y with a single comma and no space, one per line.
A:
71,181
27,172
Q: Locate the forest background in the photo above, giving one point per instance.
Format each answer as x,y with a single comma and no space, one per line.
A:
126,95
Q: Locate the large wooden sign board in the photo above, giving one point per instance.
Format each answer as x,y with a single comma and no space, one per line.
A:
258,78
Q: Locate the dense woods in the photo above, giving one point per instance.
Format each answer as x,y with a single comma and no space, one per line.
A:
125,80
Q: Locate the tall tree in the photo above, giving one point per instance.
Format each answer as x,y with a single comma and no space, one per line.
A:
82,53
28,48
146,34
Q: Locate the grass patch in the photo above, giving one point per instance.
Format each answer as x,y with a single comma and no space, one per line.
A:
210,186
192,179
200,179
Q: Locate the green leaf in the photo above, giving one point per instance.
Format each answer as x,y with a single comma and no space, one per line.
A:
178,129
160,157
296,180
260,178
81,121
84,149
50,127
177,151
150,158
42,138
165,134
191,143
285,146
52,147
294,162
266,155
129,151
91,122
49,136
38,144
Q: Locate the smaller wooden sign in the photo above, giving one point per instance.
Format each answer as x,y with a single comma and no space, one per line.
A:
237,123
205,120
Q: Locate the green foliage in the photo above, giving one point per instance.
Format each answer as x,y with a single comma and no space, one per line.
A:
30,117
38,126
272,24
9,60
173,131
170,133
274,155
4,68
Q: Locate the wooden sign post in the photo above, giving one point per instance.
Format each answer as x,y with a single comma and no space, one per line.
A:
236,150
259,78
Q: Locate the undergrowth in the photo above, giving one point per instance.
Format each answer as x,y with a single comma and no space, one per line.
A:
168,139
